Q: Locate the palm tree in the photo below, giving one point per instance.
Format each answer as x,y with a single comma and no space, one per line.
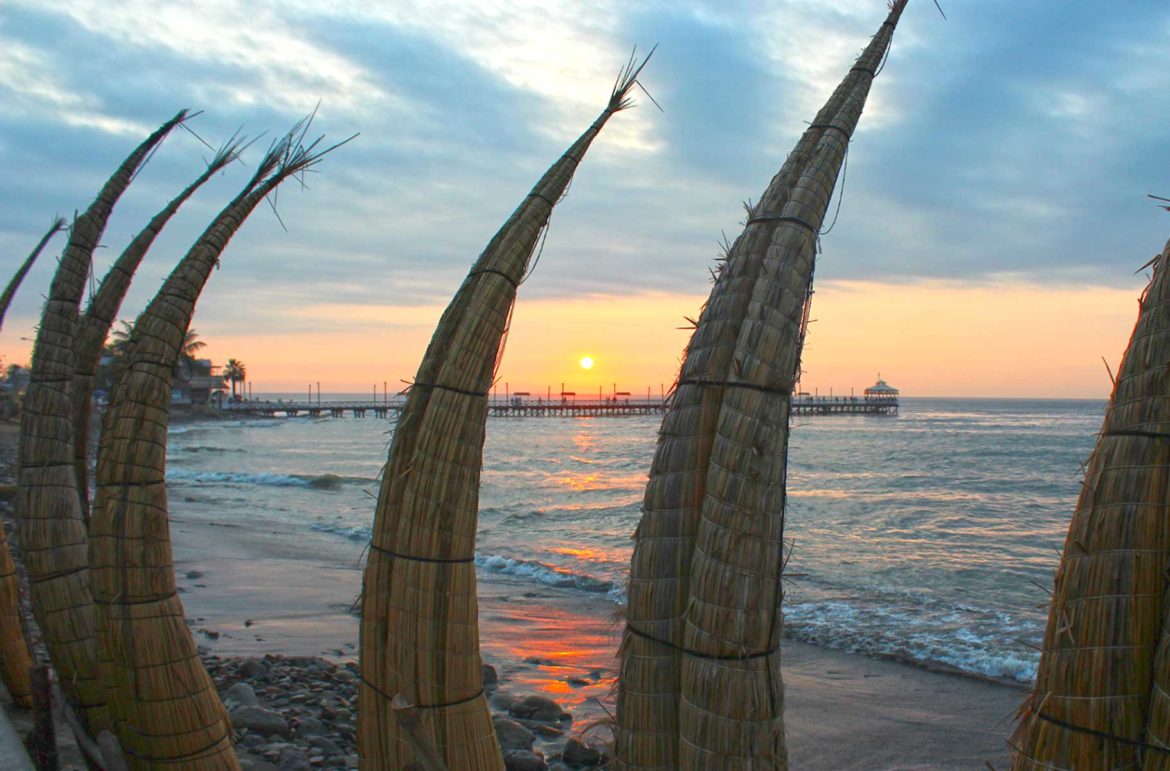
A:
191,346
119,339
185,363
235,372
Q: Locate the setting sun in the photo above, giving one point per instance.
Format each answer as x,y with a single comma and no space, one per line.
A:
586,362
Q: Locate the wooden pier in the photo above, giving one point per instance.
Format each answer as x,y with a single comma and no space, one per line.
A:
517,407
844,405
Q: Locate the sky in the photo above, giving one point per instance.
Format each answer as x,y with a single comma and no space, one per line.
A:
992,225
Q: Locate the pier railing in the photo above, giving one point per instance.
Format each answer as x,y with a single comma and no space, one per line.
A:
521,407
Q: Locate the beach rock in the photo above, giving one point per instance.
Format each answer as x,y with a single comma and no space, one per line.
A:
578,755
511,734
310,726
327,745
294,760
193,574
240,695
490,677
523,760
576,682
543,730
502,701
261,720
537,708
253,669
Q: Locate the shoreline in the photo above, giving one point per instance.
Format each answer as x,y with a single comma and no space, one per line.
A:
250,592
561,645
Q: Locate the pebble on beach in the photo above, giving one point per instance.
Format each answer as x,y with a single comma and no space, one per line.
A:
292,713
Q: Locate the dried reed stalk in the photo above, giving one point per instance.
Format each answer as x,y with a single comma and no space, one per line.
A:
15,659
10,290
103,307
52,530
419,630
163,705
649,687
1100,697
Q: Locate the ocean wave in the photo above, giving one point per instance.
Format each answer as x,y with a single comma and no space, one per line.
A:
548,575
352,533
316,481
208,449
891,634
532,570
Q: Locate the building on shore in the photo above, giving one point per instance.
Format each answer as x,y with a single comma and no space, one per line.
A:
198,381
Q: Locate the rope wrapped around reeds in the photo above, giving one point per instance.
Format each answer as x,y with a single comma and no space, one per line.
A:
15,658
52,529
14,284
1101,695
163,704
419,629
103,308
648,686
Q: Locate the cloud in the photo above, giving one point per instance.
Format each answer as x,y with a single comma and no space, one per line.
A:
1014,139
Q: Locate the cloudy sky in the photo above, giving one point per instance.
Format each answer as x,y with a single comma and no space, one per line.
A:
994,208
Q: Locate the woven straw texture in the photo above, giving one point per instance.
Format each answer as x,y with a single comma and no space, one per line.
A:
15,659
1101,695
730,709
420,630
52,528
162,702
103,308
10,290
649,686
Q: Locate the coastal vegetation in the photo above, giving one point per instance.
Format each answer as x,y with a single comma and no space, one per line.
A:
235,372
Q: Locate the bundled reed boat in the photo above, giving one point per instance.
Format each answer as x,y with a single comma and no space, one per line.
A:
162,703
15,657
420,627
700,682
52,524
1102,693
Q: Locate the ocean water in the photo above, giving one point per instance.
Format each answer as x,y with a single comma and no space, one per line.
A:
930,537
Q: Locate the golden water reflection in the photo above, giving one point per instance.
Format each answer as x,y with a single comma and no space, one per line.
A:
537,646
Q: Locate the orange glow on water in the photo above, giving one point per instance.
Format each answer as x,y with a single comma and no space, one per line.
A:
590,554
566,650
581,482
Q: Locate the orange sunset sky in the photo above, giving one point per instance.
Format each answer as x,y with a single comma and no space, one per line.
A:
928,339
992,209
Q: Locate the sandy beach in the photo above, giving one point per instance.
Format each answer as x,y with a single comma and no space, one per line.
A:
843,711
251,590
